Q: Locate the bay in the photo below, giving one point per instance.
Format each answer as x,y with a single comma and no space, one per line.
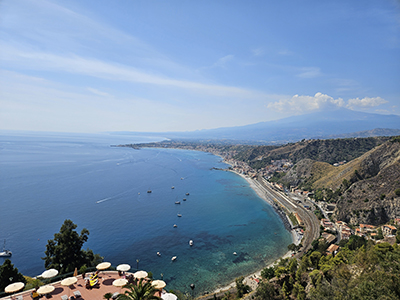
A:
47,178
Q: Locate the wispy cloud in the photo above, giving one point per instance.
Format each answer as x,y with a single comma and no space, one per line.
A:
309,72
99,93
258,51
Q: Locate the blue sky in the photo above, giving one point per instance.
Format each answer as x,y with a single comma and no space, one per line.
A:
97,65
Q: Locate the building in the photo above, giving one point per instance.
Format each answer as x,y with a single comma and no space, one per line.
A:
388,230
332,249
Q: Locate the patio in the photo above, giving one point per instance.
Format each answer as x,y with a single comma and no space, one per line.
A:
106,279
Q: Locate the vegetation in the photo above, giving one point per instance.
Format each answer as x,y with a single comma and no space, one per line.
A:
142,291
9,274
65,252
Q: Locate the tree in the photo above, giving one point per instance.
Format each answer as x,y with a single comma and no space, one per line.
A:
241,287
142,291
65,252
9,274
268,273
266,291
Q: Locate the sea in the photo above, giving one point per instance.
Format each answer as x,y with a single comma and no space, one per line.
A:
46,178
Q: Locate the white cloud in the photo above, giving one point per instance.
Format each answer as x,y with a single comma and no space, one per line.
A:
306,103
99,93
309,72
366,102
257,51
321,101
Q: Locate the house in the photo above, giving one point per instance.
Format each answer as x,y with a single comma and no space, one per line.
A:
388,230
329,238
332,249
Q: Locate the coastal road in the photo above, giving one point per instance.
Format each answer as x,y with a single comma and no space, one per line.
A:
311,222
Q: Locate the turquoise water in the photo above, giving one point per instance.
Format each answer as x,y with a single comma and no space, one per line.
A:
45,179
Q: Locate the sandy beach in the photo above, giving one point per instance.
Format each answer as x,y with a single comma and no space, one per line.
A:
249,278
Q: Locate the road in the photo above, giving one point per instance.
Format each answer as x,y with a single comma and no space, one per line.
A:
311,223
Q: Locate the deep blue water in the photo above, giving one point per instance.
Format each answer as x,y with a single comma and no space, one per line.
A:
45,179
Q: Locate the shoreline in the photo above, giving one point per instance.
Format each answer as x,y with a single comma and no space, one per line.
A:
249,278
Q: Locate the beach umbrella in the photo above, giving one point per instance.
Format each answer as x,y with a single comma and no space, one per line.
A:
45,289
49,273
169,296
140,274
103,266
159,284
120,282
14,287
68,282
123,267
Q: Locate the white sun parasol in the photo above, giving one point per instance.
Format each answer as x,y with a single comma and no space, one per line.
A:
45,289
14,287
123,267
140,274
120,282
169,296
49,273
103,266
68,282
159,284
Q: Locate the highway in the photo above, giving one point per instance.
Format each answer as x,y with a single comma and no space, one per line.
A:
311,222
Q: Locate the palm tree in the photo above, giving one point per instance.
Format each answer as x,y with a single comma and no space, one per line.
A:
141,291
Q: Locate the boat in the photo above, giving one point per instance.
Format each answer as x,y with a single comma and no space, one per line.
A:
149,191
177,202
173,258
234,253
191,242
172,187
187,194
181,178
184,199
158,254
5,252
179,215
175,225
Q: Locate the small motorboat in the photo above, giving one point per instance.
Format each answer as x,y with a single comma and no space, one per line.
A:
149,191
179,215
187,194
234,253
173,258
184,199
175,225
181,178
191,242
172,187
177,202
158,254
5,252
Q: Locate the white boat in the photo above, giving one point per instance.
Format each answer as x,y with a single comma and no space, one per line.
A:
173,258
177,202
158,254
234,253
175,225
5,253
187,194
172,187
179,215
191,242
184,199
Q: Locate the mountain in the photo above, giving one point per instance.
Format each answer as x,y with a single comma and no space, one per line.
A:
320,125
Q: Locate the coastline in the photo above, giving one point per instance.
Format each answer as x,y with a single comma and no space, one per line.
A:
249,278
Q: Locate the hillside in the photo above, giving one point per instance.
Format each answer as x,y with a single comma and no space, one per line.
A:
329,151
366,189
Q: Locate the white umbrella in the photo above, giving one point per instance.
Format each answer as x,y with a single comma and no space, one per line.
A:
123,267
169,296
140,274
103,266
120,282
14,287
68,282
159,284
45,289
49,273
